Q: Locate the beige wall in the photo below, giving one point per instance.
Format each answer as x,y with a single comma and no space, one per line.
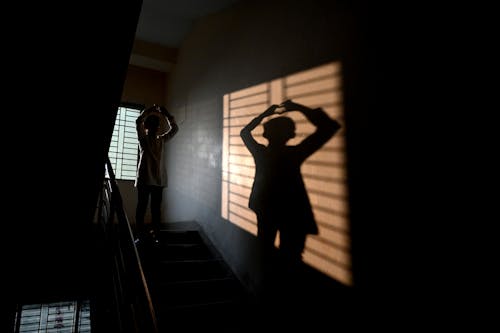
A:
154,51
144,86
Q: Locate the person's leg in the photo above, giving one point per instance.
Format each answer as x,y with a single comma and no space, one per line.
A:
142,205
293,286
266,232
292,244
266,235
156,202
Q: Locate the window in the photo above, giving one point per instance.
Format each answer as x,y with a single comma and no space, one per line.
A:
64,316
124,145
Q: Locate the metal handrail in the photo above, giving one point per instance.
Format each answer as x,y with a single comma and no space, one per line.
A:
134,303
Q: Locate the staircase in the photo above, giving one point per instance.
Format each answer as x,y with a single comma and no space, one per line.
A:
191,286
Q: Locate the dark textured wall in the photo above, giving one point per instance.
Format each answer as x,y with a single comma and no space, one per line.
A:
70,63
251,43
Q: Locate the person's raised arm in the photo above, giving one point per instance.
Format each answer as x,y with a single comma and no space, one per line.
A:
317,117
174,128
139,124
326,127
246,132
169,118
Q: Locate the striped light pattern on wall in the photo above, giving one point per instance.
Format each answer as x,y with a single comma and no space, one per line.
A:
324,172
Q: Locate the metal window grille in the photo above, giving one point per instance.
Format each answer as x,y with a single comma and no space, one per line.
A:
123,149
57,317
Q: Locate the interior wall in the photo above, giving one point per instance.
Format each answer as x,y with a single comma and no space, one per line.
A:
251,43
144,86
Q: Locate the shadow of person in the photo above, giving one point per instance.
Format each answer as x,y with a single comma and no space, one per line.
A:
279,197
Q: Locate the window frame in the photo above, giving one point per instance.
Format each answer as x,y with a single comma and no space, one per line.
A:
117,152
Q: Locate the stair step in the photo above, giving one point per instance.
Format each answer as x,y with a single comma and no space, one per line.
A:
221,317
187,293
180,237
189,270
183,251
206,308
191,286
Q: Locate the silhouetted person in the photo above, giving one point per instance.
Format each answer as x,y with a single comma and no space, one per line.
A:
278,196
155,126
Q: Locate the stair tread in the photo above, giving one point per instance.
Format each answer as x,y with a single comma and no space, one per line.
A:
202,281
187,275
188,261
195,305
201,305
164,244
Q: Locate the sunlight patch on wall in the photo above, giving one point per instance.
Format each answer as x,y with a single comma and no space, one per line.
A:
324,172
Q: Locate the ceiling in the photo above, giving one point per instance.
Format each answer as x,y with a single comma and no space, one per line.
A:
167,22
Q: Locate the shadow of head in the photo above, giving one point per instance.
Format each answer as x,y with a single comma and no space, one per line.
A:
279,130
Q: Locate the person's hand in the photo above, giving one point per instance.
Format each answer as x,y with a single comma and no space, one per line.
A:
280,110
270,111
289,105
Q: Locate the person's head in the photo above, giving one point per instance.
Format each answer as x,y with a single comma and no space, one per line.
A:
151,123
279,130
